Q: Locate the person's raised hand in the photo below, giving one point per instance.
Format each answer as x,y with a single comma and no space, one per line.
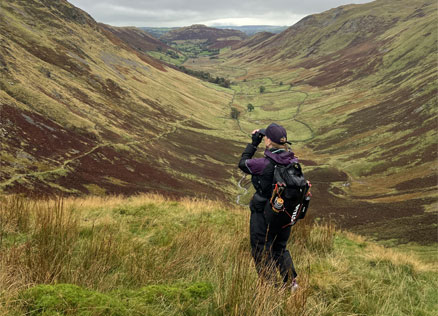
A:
256,137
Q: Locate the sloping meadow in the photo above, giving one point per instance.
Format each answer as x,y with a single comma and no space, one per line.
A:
148,255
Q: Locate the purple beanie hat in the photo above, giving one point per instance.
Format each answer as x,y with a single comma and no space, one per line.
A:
276,133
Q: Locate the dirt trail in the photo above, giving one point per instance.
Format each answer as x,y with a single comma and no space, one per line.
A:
47,172
63,167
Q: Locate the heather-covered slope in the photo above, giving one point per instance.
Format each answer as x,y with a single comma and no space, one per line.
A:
254,40
83,112
137,38
142,42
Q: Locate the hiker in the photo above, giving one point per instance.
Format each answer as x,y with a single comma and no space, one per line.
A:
268,236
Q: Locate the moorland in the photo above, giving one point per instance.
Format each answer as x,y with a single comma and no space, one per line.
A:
103,115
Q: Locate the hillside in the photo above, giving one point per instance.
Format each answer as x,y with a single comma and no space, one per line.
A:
141,41
212,37
120,256
82,112
85,112
251,30
356,86
137,38
254,40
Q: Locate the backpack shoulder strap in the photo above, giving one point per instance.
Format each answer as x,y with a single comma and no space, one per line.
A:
272,161
275,177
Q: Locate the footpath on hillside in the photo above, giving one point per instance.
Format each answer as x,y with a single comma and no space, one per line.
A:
63,166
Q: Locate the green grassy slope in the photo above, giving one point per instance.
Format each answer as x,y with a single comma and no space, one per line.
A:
148,255
83,112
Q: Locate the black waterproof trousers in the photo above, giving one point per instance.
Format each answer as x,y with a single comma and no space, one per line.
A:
268,242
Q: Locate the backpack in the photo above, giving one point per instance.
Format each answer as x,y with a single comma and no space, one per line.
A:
291,192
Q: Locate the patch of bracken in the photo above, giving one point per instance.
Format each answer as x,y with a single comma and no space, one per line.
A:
43,138
418,183
57,58
327,174
121,44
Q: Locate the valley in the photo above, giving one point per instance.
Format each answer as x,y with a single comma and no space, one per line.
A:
354,87
120,192
379,210
358,139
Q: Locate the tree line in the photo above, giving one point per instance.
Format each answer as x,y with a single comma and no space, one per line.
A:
206,76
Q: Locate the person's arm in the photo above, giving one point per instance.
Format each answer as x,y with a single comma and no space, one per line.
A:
246,155
249,151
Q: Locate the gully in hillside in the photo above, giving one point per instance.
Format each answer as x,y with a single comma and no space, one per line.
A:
282,197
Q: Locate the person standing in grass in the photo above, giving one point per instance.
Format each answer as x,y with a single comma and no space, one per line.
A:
268,237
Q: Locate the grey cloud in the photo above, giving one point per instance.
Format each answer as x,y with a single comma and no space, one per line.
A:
187,12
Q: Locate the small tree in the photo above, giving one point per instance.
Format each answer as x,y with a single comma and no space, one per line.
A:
235,113
250,107
226,83
262,89
281,83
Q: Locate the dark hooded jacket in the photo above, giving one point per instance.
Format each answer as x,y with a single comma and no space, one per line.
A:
262,169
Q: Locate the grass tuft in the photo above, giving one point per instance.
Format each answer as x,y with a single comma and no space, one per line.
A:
68,299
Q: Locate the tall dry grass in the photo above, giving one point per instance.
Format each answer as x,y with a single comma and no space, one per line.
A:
50,247
113,244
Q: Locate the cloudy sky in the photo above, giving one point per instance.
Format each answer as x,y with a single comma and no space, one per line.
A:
217,12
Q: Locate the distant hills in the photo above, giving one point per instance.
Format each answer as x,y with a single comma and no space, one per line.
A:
138,38
194,41
157,32
253,29
247,29
212,37
209,39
